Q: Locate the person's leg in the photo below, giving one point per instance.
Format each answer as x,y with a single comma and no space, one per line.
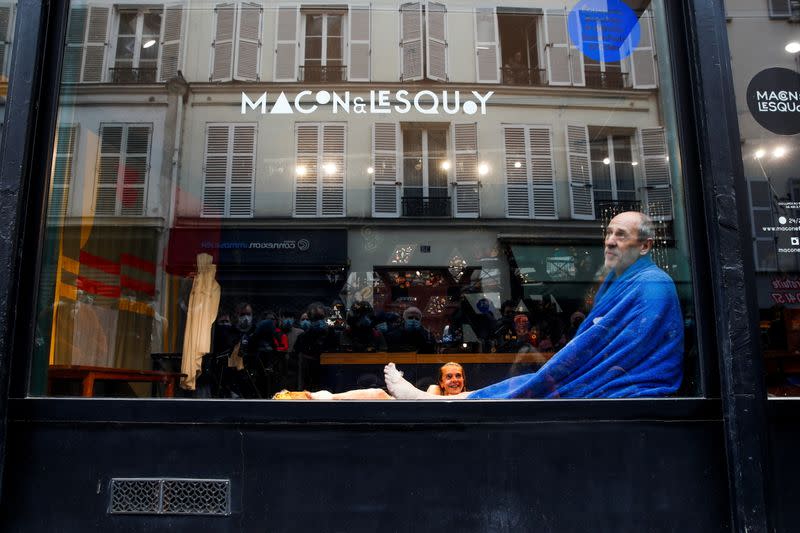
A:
361,394
401,389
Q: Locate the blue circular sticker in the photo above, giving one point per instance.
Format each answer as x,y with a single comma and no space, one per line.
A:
604,30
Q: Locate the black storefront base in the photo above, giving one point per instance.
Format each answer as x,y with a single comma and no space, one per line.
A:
382,466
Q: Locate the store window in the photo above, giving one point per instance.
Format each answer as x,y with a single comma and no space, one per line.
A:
208,236
767,85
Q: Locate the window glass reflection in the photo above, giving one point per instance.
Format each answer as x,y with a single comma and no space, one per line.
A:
471,206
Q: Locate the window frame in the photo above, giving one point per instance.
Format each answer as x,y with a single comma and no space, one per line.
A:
205,410
138,37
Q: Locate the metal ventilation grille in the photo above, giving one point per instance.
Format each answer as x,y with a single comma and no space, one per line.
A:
170,496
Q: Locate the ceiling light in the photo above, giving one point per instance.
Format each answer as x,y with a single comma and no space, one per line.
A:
445,165
149,43
793,47
779,152
634,163
760,153
606,161
517,165
300,170
330,168
370,170
483,169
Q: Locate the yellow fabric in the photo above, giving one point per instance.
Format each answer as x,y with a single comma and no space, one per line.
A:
202,311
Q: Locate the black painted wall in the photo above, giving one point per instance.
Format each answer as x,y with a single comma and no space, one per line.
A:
614,476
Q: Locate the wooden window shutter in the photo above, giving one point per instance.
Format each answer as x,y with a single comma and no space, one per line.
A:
248,41
436,41
306,189
63,169
360,55
134,170
518,191
333,170
122,169
467,186
580,173
657,181
94,48
543,178
411,41
108,168
73,51
643,56
557,47
242,170
215,170
487,53
6,36
385,170
286,45
224,25
171,42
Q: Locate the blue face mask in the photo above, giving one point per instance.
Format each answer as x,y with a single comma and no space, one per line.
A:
413,324
319,325
287,323
305,325
383,327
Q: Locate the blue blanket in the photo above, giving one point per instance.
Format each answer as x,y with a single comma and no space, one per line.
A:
630,345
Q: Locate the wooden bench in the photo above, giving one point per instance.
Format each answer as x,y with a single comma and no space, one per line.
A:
87,375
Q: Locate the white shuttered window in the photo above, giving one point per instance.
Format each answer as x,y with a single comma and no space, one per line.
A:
423,41
642,62
63,169
87,41
360,55
467,185
565,64
236,49
487,45
320,170
122,169
229,170
657,182
580,173
286,45
172,29
385,170
530,177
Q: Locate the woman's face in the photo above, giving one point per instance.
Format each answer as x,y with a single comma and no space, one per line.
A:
452,380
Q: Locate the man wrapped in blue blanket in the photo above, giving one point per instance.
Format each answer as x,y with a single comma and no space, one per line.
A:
630,345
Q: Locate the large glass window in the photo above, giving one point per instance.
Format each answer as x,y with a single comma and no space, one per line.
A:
212,237
767,84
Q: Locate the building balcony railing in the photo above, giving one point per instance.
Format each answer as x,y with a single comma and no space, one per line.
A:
596,79
612,208
426,206
317,74
132,75
532,77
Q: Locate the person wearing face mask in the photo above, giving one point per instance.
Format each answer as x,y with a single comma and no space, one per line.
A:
310,345
412,336
359,335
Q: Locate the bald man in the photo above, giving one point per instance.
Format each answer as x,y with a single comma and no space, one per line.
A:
630,345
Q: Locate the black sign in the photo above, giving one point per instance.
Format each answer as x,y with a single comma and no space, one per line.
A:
773,97
257,247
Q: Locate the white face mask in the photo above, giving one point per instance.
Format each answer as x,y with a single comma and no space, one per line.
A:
245,321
